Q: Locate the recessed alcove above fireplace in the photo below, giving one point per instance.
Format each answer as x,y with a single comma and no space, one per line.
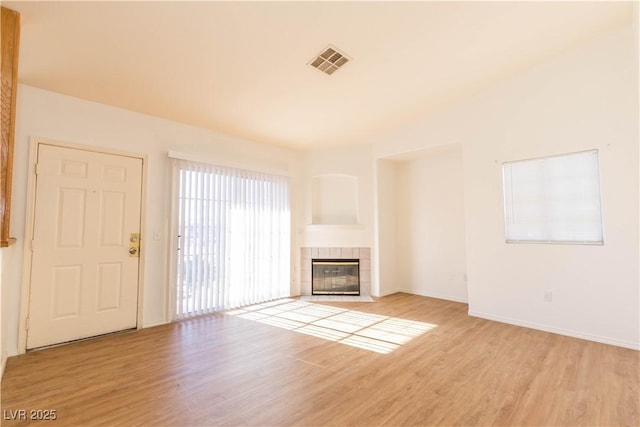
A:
334,199
336,285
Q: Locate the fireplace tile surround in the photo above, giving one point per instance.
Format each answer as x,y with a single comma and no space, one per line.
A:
308,253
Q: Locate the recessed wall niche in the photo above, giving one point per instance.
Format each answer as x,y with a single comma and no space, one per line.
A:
334,199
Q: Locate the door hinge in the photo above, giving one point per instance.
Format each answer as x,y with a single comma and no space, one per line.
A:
27,324
33,245
37,168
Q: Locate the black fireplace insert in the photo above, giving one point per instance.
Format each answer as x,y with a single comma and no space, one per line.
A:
335,277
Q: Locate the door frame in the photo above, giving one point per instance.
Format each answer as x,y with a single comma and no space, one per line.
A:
25,294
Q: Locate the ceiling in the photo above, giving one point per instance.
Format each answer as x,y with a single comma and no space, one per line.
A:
242,67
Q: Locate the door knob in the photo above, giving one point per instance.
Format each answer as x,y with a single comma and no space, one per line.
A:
134,244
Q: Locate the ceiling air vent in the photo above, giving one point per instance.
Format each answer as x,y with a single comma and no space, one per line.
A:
329,60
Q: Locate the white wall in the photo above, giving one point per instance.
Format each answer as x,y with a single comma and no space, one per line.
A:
386,230
53,116
583,99
420,231
334,200
431,257
3,334
354,161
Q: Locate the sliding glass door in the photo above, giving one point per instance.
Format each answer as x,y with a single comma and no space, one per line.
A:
233,234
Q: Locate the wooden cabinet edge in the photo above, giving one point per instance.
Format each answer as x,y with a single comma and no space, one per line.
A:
8,242
9,77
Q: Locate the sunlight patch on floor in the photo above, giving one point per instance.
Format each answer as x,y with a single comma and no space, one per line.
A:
368,331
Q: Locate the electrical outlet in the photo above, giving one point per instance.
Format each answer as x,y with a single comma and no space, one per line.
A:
548,296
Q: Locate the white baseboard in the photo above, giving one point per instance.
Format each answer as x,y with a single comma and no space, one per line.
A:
560,331
439,296
425,294
155,323
389,292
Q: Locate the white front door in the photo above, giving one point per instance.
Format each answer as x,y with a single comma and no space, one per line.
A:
84,282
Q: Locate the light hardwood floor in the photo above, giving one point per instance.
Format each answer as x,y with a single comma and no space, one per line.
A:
228,370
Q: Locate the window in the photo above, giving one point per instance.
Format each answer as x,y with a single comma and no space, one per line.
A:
553,199
234,240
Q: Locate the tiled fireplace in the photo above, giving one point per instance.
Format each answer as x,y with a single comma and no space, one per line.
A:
314,254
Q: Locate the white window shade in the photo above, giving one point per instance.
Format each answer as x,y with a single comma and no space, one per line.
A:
553,199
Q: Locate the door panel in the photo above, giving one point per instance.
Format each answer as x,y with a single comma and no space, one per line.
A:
70,226
109,286
67,283
113,218
83,281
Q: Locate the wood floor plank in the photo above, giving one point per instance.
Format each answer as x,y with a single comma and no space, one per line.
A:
224,369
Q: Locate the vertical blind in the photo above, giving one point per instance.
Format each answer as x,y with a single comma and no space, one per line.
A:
233,237
553,199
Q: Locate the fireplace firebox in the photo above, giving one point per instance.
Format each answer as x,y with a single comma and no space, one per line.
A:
335,277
